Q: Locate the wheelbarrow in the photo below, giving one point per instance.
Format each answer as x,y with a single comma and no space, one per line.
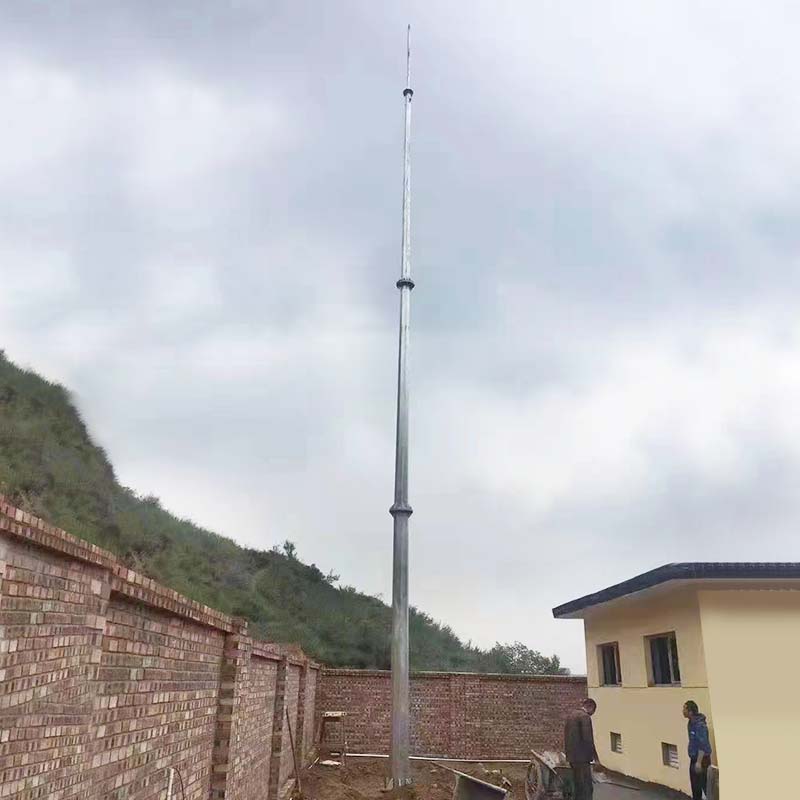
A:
549,777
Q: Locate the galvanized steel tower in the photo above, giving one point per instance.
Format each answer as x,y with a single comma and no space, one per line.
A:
401,510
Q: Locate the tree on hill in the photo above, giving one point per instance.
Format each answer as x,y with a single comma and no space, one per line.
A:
518,659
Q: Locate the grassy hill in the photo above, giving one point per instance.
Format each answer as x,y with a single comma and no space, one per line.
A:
50,466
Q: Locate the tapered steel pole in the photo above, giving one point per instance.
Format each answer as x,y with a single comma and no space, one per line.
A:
401,510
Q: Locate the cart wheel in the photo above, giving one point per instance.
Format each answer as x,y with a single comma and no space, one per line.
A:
534,782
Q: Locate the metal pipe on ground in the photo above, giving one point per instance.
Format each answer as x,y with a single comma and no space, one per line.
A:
451,760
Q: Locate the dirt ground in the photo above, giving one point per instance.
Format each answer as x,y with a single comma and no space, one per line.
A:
363,779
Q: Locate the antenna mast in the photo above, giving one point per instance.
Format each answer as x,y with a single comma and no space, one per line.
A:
401,510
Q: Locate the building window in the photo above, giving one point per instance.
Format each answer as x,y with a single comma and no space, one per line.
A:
662,652
669,755
610,673
616,742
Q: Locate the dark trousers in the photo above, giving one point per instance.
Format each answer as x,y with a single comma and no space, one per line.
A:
698,779
582,780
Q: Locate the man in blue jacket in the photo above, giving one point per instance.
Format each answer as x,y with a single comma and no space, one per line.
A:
699,749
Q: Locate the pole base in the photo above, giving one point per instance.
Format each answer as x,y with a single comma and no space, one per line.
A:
404,792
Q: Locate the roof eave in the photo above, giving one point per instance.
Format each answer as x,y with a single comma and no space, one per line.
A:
745,571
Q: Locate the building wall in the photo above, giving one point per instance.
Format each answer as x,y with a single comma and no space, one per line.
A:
752,651
645,716
455,715
108,680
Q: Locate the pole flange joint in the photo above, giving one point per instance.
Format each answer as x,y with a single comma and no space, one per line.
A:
409,92
401,508
405,282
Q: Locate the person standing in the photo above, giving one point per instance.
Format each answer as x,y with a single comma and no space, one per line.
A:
699,749
579,748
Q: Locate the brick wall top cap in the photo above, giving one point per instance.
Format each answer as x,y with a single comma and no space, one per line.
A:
145,590
495,676
277,651
20,524
266,650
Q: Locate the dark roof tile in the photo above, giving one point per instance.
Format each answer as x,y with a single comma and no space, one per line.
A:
682,572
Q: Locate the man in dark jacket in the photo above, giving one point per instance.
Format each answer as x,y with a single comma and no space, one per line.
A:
699,749
579,748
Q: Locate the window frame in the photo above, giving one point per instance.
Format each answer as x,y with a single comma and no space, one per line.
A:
601,664
673,659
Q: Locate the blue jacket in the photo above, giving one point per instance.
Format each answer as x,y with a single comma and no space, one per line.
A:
698,736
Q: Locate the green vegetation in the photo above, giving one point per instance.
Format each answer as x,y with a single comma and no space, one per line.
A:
50,466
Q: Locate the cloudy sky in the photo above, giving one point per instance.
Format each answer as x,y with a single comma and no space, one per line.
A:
200,231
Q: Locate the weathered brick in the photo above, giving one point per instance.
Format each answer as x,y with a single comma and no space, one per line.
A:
108,680
455,715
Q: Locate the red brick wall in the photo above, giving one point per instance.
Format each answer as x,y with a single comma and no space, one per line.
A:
108,680
292,694
256,715
52,614
455,715
312,680
157,702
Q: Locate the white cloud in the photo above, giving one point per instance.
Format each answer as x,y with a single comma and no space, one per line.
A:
46,117
178,289
33,275
697,392
199,233
181,132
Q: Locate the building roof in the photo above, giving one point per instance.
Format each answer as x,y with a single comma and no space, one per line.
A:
683,572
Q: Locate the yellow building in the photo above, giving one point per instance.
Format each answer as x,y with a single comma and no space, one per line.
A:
724,635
